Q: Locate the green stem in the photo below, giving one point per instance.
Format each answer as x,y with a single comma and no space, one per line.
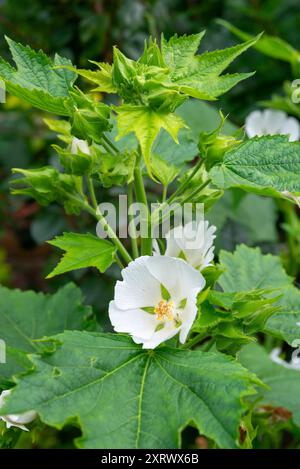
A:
191,343
112,235
105,145
98,215
92,192
119,262
146,242
190,196
155,213
164,194
185,184
291,219
208,345
133,238
108,141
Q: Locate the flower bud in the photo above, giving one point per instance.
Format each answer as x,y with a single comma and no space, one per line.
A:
16,420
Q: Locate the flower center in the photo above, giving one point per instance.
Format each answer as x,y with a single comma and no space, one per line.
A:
164,310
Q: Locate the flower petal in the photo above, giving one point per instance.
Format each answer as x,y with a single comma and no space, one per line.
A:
177,276
139,288
291,127
188,317
158,337
194,241
133,321
273,121
253,124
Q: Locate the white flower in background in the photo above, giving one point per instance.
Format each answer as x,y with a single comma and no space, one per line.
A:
275,356
271,122
79,145
191,242
18,420
295,198
156,300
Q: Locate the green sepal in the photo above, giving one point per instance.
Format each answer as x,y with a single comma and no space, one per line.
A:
47,185
89,119
164,292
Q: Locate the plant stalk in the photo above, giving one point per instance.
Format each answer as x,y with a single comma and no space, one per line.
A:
100,217
195,192
133,238
92,192
146,242
185,184
108,141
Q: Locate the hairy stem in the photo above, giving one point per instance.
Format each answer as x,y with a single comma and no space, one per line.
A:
105,145
108,142
190,196
291,219
99,216
92,192
133,238
185,184
164,194
119,262
191,343
146,242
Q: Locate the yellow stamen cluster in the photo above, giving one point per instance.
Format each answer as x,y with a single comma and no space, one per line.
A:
164,310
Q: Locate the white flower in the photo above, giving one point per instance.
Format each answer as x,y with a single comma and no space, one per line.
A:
191,242
275,357
289,195
79,145
156,300
18,420
270,122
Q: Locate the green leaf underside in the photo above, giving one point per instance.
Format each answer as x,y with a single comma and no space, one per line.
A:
36,80
260,163
163,171
27,316
284,383
82,250
164,145
101,77
146,124
150,388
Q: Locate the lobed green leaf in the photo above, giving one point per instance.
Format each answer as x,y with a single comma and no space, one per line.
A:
157,393
82,250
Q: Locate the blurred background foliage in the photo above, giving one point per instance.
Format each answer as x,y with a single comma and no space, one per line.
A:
86,30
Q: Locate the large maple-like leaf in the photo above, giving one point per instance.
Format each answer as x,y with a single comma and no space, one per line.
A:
127,397
26,317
